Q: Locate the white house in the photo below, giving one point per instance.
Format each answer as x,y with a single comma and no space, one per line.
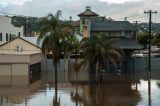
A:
19,60
7,30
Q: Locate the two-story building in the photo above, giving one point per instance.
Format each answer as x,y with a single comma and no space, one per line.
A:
7,30
124,31
91,23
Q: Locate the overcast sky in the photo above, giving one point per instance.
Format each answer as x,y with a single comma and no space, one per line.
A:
117,9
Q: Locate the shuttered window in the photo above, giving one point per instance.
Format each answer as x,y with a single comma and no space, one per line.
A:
0,36
7,37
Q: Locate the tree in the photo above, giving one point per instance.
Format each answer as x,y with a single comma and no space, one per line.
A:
53,35
156,39
74,49
30,23
143,39
75,45
97,48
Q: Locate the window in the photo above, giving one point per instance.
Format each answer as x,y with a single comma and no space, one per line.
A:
122,34
83,21
128,34
115,34
10,36
0,36
19,34
7,37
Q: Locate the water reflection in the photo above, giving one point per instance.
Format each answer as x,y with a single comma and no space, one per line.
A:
149,89
140,92
114,94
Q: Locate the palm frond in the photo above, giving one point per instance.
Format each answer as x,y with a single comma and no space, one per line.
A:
58,14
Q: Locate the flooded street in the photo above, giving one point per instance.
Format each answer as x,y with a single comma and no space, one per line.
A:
142,92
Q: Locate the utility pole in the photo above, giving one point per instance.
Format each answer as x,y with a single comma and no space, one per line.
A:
150,12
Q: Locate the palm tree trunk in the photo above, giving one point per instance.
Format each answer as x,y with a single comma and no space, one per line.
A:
97,71
76,63
55,81
100,72
76,69
76,95
76,82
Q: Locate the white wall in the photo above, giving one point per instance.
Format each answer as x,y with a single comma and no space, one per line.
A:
7,27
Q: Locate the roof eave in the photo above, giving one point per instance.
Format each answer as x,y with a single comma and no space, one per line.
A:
83,14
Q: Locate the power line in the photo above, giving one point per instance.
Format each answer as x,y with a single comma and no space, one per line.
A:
133,16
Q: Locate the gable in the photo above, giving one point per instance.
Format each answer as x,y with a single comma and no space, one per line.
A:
25,45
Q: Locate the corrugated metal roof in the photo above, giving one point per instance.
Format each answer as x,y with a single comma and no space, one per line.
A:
112,26
33,40
127,44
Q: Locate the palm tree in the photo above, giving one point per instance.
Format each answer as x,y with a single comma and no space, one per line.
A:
97,48
74,48
76,51
53,36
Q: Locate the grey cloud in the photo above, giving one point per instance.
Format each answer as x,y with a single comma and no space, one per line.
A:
74,7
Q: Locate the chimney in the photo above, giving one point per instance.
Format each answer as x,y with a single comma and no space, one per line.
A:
88,8
125,18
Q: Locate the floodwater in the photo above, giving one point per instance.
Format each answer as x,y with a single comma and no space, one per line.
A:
139,92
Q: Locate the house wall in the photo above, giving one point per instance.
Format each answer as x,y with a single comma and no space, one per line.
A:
14,75
85,24
85,31
19,69
14,69
15,65
36,58
12,58
20,75
5,69
7,27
